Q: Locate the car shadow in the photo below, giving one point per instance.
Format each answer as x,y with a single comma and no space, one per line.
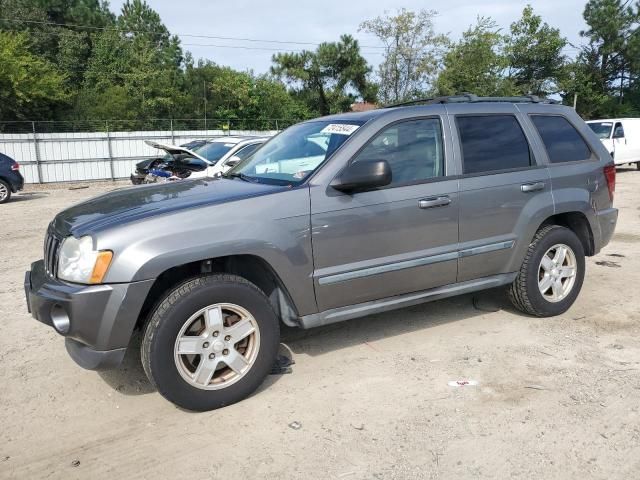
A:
365,330
130,379
23,197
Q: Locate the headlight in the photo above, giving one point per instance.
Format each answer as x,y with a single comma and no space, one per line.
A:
78,262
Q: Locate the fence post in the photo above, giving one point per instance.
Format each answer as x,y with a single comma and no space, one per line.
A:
173,141
276,124
111,167
37,149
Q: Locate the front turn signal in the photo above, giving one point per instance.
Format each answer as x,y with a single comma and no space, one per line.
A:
102,265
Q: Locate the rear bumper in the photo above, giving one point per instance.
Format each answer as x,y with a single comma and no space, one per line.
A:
607,220
100,318
16,181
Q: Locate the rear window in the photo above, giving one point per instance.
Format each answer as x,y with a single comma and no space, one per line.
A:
492,143
561,139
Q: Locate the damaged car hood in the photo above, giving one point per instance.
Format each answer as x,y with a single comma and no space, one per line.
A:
134,203
175,150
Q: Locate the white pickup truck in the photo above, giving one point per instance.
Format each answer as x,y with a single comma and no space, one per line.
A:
621,137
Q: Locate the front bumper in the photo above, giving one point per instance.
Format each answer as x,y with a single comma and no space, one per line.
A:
137,178
101,318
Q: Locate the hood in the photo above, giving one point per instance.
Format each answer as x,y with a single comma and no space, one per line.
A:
140,202
174,150
144,164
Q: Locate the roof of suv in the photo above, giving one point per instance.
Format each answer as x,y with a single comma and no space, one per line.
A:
424,102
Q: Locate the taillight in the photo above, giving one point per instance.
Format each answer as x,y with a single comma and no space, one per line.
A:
15,166
610,176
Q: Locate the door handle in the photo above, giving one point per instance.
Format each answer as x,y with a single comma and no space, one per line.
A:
432,202
532,187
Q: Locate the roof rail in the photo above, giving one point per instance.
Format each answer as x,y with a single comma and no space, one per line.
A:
471,98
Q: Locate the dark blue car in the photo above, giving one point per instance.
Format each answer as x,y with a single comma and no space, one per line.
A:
10,178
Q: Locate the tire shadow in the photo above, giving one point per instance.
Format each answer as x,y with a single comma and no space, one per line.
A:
129,378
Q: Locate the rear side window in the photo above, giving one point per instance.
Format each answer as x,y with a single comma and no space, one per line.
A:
561,139
491,143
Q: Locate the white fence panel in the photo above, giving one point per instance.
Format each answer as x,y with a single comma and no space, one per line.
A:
78,156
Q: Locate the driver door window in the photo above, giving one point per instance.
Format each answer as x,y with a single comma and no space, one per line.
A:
412,148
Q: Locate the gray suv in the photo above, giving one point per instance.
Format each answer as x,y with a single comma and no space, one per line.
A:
335,218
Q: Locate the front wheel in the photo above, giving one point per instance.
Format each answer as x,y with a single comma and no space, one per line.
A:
551,275
210,342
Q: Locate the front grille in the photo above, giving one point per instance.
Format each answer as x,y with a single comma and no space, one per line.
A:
51,247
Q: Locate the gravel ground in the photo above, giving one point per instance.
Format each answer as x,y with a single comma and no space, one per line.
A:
367,399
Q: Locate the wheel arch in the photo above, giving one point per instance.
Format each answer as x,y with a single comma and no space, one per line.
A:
579,224
250,267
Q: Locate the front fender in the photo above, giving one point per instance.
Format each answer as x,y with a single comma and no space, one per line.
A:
273,227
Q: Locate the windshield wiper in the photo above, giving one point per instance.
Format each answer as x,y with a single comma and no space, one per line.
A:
241,176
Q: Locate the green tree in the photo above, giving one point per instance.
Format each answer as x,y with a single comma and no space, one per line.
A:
30,86
534,55
412,53
329,79
607,66
251,101
142,59
477,63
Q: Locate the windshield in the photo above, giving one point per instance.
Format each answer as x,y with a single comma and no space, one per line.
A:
601,129
214,151
296,153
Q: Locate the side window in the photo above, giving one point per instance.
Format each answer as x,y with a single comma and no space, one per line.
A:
491,143
413,149
245,152
561,139
618,132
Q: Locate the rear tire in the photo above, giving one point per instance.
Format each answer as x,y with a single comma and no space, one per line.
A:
545,286
5,192
193,354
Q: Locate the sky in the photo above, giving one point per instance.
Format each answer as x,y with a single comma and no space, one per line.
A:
320,21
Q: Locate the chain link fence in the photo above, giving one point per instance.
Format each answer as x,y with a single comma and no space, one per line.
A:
67,151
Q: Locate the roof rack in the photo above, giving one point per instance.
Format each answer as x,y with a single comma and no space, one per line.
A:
471,98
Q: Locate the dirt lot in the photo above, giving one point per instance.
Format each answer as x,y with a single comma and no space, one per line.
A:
557,398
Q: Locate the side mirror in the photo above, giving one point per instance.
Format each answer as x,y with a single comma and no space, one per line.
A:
618,133
363,175
233,161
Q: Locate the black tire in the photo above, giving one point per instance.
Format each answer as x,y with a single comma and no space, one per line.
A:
7,197
162,328
524,292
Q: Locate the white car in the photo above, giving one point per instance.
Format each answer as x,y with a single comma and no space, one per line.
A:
214,157
621,136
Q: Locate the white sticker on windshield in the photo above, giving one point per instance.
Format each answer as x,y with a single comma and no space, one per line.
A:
229,144
340,128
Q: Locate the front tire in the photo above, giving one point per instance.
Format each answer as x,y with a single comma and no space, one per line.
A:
210,342
551,274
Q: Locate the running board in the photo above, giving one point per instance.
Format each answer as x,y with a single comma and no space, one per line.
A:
400,301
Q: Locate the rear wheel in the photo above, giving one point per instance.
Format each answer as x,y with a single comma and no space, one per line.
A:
551,275
5,192
211,342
